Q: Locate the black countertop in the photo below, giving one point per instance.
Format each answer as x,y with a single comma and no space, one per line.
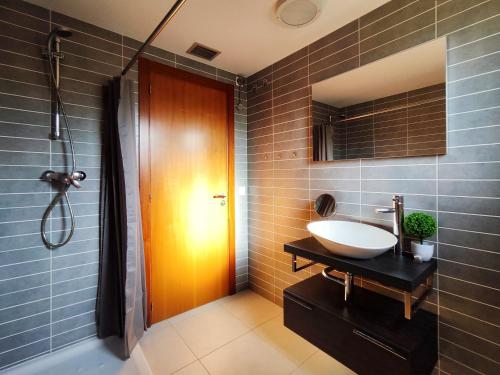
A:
397,271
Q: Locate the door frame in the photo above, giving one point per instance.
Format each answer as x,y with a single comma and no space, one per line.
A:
145,68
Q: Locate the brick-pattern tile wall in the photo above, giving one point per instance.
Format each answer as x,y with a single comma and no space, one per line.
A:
460,189
47,298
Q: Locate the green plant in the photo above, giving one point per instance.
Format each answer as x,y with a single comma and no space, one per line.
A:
419,225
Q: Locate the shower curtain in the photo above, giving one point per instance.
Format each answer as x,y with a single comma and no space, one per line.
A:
121,296
323,142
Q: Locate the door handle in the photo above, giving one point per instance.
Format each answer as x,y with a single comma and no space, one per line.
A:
221,196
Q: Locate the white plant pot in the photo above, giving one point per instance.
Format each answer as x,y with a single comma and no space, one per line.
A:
425,251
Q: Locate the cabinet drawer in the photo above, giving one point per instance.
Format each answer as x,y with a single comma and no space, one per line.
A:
352,346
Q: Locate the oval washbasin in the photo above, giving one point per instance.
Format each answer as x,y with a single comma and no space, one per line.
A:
353,240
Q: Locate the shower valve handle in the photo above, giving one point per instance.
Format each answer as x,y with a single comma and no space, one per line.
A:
75,177
65,178
74,182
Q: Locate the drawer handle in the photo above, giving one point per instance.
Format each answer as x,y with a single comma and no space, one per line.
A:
300,303
377,342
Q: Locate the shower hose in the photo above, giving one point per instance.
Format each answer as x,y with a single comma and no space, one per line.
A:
64,192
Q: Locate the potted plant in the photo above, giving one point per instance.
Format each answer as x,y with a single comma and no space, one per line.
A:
420,225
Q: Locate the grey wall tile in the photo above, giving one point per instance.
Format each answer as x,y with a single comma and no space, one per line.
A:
385,32
476,171
485,64
63,339
482,281
69,324
469,324
24,353
69,311
485,259
25,296
474,137
474,102
63,287
474,50
23,255
480,346
24,269
476,31
469,239
25,324
471,188
482,206
383,11
458,353
401,43
25,338
26,35
455,20
21,311
78,296
483,153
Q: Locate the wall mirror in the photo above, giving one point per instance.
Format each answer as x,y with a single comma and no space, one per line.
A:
393,107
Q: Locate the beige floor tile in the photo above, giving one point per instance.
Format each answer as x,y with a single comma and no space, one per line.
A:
208,329
294,347
322,364
251,308
195,311
195,368
164,324
248,355
165,350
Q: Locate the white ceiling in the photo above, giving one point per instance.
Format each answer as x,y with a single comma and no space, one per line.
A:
246,31
418,67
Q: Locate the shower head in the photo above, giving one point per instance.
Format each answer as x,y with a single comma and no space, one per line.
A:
58,32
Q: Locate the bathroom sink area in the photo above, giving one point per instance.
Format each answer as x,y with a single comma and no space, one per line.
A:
350,239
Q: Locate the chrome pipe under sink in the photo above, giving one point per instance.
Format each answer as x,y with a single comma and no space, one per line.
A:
347,282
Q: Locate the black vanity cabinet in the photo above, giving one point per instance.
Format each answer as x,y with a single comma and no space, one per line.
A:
368,334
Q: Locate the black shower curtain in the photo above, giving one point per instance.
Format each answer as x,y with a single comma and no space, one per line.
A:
121,295
323,142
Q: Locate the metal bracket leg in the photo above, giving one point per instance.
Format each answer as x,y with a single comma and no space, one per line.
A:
295,268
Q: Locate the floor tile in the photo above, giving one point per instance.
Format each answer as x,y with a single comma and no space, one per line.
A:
195,311
251,308
165,350
195,368
248,355
291,345
208,329
322,364
156,327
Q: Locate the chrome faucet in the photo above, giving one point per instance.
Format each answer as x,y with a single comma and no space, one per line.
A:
397,221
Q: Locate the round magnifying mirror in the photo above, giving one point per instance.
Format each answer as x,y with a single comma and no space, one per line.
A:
325,205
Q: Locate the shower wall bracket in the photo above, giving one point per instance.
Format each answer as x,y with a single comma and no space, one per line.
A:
53,54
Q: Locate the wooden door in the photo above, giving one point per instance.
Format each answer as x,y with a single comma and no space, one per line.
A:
189,150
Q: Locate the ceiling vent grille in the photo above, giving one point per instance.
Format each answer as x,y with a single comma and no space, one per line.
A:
204,52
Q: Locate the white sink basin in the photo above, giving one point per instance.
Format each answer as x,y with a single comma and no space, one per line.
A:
353,240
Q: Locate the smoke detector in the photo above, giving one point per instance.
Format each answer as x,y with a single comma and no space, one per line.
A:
298,13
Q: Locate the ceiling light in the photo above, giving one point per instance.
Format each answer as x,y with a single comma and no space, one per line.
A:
298,13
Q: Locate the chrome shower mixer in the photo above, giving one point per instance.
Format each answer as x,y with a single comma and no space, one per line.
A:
65,178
